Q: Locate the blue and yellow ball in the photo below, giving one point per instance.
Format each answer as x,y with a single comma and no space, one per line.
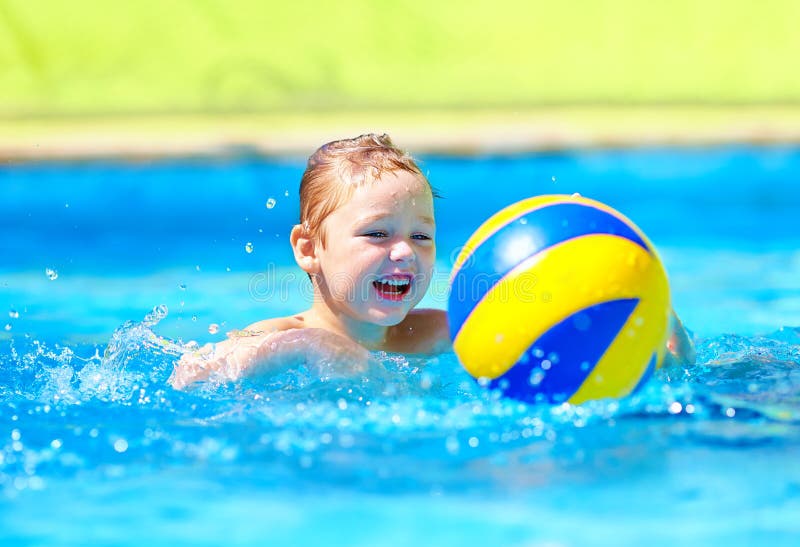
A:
559,299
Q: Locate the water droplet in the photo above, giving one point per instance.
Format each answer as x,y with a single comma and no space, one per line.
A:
675,408
213,328
546,364
8,326
270,203
286,193
120,445
182,286
248,247
52,274
576,195
553,178
13,314
536,377
194,318
473,442
523,221
197,267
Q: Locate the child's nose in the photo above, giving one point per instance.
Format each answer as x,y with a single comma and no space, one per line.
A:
401,251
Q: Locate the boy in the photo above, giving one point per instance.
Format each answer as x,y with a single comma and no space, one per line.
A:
366,240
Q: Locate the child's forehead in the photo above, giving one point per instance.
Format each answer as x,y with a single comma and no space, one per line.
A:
390,201
398,193
393,186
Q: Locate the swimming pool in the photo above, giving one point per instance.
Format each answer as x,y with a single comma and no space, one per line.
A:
105,266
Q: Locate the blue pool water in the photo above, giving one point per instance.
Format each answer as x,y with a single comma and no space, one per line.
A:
108,268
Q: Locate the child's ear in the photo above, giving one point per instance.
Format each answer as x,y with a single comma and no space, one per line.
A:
305,250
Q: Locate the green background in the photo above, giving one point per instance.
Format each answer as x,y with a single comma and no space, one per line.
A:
84,57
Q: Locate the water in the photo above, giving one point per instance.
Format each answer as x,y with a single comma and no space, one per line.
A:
95,446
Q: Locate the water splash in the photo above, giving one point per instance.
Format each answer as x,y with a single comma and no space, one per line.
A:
134,359
76,408
759,374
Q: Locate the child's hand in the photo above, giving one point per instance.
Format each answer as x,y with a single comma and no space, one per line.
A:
270,353
223,359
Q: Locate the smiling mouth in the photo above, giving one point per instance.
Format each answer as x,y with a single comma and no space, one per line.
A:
393,288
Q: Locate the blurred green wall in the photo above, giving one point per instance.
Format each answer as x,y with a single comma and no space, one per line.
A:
85,57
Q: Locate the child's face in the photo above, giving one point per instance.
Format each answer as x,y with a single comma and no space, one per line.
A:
378,258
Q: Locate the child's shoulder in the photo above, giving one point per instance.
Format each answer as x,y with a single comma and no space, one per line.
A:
276,324
422,331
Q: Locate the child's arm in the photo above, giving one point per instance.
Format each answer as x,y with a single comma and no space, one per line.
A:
679,345
269,353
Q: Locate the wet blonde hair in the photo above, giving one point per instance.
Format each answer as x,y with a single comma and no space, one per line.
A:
337,168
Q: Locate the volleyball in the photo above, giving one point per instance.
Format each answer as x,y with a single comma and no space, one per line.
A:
559,299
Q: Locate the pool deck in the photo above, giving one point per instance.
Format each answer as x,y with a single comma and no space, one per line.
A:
463,132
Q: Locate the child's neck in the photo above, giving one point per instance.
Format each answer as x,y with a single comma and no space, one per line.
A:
369,335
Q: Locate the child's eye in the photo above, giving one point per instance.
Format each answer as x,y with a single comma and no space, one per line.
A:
422,237
376,233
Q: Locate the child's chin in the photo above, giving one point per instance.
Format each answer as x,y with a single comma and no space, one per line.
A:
388,319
